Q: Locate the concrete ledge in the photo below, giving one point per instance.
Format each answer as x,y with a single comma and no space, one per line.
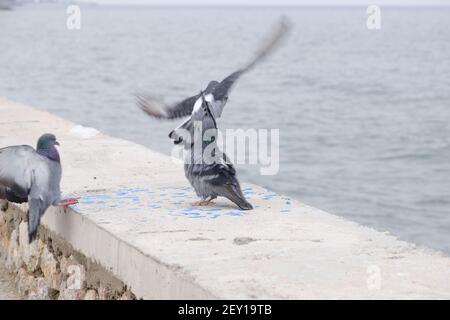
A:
134,219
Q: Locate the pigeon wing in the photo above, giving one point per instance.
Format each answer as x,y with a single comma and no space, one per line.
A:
44,192
16,166
37,208
158,110
29,175
220,92
223,182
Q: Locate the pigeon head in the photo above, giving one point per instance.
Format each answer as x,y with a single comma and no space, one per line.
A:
211,86
46,146
182,134
175,137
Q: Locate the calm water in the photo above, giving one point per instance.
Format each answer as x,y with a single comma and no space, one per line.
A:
364,115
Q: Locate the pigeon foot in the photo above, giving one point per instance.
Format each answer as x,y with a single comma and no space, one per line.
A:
198,203
204,202
68,202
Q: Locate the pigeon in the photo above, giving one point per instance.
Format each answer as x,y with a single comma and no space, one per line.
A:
208,169
33,176
216,93
216,178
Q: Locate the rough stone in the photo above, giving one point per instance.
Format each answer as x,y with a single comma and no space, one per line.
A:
24,282
14,260
91,295
4,241
3,205
103,293
65,262
45,269
49,267
73,287
39,290
127,295
68,293
29,251
2,218
76,276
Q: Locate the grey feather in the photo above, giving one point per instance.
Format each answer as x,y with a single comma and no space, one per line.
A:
211,179
37,208
27,176
218,90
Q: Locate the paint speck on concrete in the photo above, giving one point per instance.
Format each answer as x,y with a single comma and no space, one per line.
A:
175,202
242,240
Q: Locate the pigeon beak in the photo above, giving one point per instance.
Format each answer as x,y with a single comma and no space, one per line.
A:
177,140
57,143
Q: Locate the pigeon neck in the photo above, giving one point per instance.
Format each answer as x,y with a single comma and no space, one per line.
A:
50,153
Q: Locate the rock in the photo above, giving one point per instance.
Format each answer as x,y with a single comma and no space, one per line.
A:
24,281
73,287
49,267
102,293
2,218
40,272
76,276
39,290
41,245
28,251
4,241
23,235
66,293
91,295
3,205
31,257
127,296
13,260
65,262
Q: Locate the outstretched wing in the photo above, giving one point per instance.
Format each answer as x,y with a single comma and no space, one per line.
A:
161,111
220,92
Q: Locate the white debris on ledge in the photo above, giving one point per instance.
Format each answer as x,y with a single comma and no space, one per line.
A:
134,218
82,132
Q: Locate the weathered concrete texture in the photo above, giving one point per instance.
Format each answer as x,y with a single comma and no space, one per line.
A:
135,220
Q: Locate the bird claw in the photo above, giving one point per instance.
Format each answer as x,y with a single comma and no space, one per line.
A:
198,203
68,202
202,203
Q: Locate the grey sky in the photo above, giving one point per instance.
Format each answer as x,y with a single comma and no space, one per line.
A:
277,2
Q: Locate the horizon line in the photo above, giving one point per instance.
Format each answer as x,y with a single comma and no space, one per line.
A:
224,5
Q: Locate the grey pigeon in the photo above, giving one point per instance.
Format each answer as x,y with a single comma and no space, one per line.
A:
33,176
207,168
216,93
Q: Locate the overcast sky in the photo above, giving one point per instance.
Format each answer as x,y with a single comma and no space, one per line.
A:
276,2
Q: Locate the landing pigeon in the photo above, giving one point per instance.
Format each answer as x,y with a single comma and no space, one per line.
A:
33,176
208,168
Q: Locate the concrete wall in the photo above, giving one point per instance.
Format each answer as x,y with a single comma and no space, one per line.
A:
135,222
